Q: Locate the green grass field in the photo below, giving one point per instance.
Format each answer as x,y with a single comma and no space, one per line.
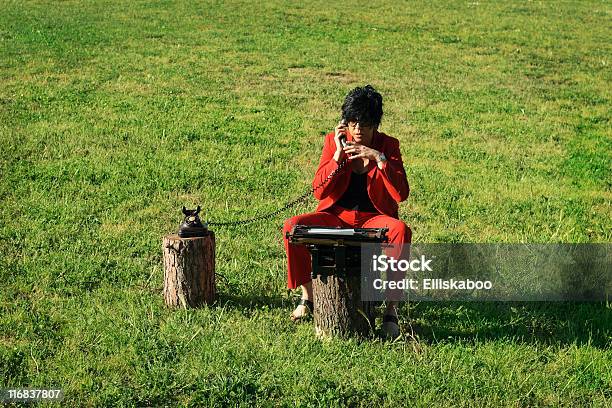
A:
115,115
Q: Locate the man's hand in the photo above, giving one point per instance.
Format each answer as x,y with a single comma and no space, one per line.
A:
357,151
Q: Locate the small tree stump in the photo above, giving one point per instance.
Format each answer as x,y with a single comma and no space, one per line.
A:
338,309
189,265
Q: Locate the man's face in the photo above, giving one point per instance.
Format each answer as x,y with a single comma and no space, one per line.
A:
362,132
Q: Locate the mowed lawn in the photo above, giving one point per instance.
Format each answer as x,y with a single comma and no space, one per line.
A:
114,115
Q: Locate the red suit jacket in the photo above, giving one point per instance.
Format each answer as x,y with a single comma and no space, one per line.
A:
386,187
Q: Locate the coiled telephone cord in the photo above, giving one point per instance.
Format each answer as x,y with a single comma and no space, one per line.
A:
290,204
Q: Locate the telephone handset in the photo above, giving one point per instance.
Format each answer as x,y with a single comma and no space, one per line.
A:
343,137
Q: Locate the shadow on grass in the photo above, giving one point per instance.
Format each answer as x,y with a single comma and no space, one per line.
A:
546,323
258,301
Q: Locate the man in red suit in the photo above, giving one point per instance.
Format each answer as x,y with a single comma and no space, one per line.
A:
365,192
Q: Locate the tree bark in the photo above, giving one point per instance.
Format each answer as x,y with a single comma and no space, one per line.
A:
189,265
338,309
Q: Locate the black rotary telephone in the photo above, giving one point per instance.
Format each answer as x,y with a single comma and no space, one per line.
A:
191,226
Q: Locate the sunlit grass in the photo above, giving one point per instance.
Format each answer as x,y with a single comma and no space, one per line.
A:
115,115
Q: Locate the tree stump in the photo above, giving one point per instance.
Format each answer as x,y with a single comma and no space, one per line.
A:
189,265
338,309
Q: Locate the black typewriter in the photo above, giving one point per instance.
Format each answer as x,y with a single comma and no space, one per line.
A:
335,250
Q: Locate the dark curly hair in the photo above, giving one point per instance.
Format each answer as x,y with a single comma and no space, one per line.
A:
363,105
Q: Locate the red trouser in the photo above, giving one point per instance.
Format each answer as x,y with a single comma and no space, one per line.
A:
298,258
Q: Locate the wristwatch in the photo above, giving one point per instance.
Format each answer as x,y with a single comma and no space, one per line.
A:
382,158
